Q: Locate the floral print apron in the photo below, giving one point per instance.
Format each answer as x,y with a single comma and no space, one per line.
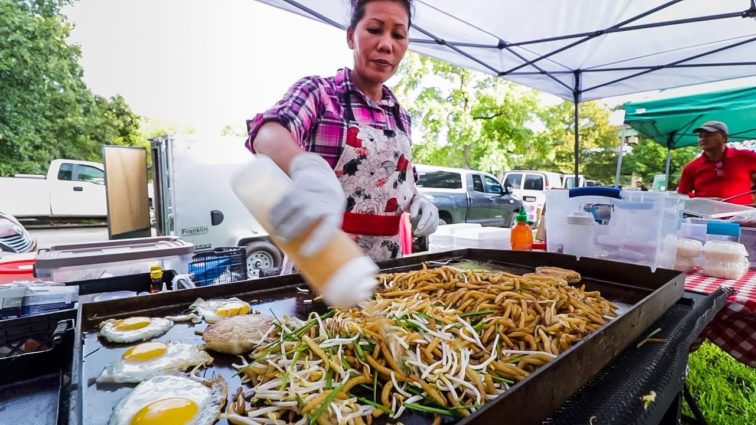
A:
375,171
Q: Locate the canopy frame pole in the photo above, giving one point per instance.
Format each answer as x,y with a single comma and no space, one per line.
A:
669,159
677,62
593,35
619,155
670,143
576,94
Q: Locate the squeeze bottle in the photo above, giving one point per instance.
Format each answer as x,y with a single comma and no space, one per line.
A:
522,233
340,271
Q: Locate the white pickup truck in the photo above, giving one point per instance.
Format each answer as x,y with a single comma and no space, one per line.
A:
71,189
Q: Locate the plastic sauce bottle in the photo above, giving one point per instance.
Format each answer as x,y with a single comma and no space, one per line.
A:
522,233
340,271
156,279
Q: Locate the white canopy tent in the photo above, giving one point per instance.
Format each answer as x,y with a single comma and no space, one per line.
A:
579,49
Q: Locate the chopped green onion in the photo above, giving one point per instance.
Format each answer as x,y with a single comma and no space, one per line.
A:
500,379
329,378
332,395
372,403
430,409
358,350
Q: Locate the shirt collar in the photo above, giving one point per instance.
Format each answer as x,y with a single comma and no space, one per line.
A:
343,77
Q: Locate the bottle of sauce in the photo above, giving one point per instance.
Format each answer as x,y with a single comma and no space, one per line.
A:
340,271
156,279
522,233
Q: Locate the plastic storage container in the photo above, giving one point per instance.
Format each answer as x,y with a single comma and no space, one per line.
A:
45,299
443,238
748,239
482,238
579,234
98,260
633,226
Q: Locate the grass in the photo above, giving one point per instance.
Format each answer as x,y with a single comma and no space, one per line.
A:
724,388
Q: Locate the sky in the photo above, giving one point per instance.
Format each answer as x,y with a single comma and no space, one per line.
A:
205,64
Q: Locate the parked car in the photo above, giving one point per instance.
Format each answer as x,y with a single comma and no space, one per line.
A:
14,238
529,185
71,189
467,196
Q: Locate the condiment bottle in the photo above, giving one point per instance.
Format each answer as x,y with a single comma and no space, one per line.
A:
156,279
522,233
339,271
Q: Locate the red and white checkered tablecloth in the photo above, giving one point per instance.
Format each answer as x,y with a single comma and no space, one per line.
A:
734,328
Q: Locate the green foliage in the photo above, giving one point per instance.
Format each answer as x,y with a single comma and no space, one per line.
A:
724,388
649,158
598,141
46,110
466,119
471,120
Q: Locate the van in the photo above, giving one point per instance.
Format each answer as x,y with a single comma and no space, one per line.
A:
529,186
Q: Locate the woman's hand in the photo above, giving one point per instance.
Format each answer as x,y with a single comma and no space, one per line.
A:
424,216
315,197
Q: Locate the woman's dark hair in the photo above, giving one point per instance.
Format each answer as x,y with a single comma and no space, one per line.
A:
358,11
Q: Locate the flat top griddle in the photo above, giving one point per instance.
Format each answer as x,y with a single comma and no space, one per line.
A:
641,295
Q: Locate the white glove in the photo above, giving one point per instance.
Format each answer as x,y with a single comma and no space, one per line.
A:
315,195
424,216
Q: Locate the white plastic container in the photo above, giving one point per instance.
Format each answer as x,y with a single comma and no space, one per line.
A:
579,234
45,299
98,260
340,271
483,238
443,238
632,226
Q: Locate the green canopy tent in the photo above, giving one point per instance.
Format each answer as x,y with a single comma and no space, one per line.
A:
671,122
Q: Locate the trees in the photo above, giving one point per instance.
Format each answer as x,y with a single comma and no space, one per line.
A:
474,121
465,119
46,110
649,158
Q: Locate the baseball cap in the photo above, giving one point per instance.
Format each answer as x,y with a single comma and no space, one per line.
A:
712,126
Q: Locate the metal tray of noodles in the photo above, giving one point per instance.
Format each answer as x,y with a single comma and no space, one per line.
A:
641,295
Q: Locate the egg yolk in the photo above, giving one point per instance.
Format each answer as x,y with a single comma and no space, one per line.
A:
232,309
132,323
145,352
168,411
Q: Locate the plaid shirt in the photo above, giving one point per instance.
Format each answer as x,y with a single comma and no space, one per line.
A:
313,111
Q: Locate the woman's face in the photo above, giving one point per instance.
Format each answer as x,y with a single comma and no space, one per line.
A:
379,40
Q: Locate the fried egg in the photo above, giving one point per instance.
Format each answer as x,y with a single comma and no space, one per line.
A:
134,328
214,310
171,399
148,359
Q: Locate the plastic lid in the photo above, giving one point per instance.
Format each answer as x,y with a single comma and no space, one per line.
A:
112,251
156,272
581,218
724,228
522,216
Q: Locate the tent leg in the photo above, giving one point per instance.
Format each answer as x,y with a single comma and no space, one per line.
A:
577,144
669,158
619,157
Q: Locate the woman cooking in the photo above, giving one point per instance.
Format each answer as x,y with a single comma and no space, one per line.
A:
345,142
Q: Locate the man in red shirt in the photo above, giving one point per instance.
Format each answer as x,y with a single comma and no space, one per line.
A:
719,172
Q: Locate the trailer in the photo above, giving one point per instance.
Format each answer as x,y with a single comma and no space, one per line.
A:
193,198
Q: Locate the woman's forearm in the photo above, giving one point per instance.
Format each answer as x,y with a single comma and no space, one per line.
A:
275,141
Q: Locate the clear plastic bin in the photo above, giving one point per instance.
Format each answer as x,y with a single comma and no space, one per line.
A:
443,238
633,226
89,261
483,238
